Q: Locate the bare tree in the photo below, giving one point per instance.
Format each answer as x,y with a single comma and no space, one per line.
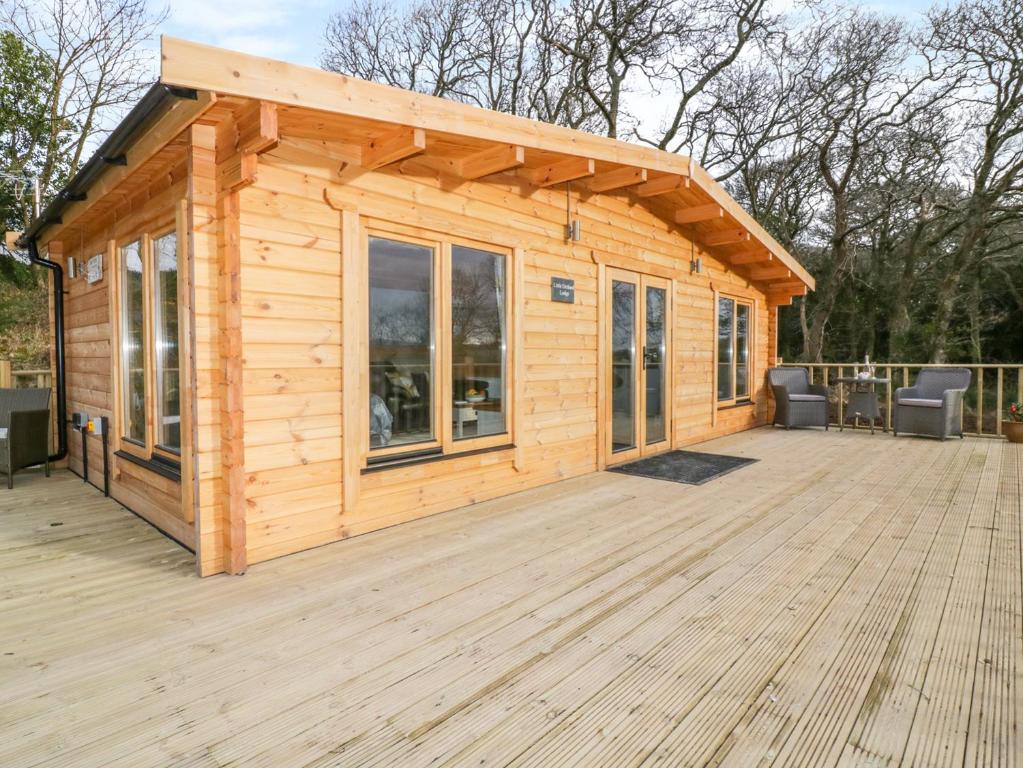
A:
706,39
984,40
98,67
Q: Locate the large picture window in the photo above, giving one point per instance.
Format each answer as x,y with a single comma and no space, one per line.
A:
150,367
438,345
734,321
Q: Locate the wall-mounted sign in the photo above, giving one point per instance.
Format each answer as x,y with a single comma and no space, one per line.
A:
563,289
94,269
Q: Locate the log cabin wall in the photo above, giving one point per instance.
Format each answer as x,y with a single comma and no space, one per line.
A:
292,320
92,352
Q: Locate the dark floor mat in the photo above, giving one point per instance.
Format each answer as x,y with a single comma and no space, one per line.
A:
690,467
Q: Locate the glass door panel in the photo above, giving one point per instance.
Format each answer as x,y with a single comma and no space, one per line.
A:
637,312
654,349
623,365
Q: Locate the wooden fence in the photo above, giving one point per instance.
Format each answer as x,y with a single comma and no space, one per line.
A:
992,388
9,377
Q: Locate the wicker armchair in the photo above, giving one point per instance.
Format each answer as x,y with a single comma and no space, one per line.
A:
934,405
797,402
24,430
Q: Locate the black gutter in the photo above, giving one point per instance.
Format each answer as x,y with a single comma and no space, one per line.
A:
113,151
58,324
150,107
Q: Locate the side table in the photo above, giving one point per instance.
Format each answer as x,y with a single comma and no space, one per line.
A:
863,402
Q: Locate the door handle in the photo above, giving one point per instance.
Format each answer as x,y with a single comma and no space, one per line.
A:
644,358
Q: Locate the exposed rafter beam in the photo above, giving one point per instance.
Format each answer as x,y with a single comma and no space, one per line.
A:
257,127
662,186
566,170
751,257
699,213
393,146
726,237
795,287
617,179
503,157
775,271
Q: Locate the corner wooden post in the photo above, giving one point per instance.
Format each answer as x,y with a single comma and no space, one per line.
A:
232,411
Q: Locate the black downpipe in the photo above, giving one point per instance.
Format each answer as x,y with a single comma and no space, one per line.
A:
58,322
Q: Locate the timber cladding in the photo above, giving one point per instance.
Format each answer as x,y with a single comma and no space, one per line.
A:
273,205
292,338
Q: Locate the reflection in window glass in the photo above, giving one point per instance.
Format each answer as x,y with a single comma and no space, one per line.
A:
168,395
726,312
132,345
623,366
654,356
400,342
741,350
478,342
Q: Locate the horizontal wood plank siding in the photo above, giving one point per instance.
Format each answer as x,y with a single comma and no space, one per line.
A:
292,332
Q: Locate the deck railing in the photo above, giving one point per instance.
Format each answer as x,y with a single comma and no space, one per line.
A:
992,388
35,377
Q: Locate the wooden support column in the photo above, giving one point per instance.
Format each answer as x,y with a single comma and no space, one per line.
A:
202,226
232,413
186,355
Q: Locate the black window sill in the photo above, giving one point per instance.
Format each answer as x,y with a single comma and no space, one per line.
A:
740,404
157,464
427,458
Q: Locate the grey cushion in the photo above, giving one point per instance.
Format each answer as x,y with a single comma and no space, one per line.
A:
806,398
922,402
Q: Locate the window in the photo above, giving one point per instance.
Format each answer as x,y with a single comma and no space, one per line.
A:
478,351
438,335
401,342
168,395
150,368
734,321
133,343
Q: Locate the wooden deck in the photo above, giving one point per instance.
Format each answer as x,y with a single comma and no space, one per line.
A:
848,600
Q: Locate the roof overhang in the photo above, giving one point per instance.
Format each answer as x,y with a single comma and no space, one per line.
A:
193,76
206,68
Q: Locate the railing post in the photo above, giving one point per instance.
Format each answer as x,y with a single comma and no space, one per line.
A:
980,401
888,401
5,374
841,393
999,404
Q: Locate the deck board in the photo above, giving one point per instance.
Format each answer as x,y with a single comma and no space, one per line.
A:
847,600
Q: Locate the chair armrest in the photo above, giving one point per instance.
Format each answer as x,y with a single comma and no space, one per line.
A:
819,389
781,392
952,397
902,392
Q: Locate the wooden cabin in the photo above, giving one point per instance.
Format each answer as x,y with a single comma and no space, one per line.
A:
312,307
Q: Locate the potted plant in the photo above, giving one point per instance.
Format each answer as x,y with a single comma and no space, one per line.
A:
1012,427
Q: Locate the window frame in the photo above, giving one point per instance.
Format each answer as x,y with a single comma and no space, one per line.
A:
444,442
157,448
750,305
149,449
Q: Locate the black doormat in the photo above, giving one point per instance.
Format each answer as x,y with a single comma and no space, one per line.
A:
690,467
